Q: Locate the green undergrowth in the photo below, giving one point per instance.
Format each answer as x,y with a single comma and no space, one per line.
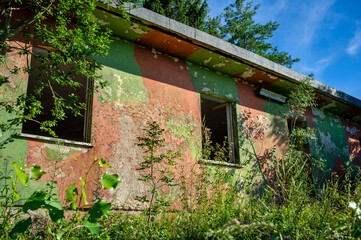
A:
283,197
233,216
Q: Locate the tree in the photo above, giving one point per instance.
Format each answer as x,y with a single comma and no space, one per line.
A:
240,29
70,34
190,12
235,25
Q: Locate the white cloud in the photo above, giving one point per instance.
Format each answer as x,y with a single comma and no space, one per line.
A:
318,68
315,14
269,10
354,46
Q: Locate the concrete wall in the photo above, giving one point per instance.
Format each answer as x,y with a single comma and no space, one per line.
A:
144,85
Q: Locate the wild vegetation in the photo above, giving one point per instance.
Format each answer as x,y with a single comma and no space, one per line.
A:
213,202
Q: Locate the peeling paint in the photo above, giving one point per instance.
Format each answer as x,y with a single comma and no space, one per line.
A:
247,74
329,146
352,130
207,60
219,65
318,112
137,29
147,82
273,77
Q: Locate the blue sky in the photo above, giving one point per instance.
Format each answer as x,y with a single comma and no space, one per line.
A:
324,34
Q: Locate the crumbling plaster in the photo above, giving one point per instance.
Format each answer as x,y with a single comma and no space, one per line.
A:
155,76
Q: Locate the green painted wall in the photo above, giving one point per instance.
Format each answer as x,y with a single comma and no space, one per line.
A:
215,61
214,83
121,71
332,141
12,147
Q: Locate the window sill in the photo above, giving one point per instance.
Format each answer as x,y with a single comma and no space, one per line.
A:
217,163
56,140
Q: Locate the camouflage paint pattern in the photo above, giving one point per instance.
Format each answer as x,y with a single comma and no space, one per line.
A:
155,76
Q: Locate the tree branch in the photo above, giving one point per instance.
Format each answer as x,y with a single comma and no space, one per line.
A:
29,21
6,24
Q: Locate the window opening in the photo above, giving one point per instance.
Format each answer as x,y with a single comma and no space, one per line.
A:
72,127
218,126
300,124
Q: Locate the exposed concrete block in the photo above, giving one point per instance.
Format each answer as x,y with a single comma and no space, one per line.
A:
181,29
152,17
210,40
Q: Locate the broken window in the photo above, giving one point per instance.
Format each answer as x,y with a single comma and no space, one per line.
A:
218,140
73,127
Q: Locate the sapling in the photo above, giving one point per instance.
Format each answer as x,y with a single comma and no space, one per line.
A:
155,168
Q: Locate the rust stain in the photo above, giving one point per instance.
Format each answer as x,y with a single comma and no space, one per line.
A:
168,82
252,108
248,98
353,141
339,170
168,44
310,118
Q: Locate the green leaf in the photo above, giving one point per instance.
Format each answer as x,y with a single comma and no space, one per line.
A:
35,201
110,181
56,211
83,184
21,173
61,231
72,196
99,209
103,163
356,231
21,226
36,172
16,195
94,228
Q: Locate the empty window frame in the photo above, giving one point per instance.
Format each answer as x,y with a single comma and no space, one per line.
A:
75,128
217,117
293,124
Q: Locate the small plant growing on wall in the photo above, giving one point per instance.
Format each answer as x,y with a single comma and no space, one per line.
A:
155,169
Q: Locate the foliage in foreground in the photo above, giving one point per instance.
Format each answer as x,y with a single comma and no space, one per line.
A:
289,207
210,205
19,222
245,217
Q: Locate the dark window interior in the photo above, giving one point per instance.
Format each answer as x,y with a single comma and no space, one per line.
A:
305,147
215,119
71,128
214,116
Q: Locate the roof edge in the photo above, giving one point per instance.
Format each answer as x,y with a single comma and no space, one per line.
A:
213,43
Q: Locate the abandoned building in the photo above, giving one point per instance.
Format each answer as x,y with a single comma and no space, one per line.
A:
161,70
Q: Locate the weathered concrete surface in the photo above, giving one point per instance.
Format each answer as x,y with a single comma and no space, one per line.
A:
213,43
158,75
181,41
